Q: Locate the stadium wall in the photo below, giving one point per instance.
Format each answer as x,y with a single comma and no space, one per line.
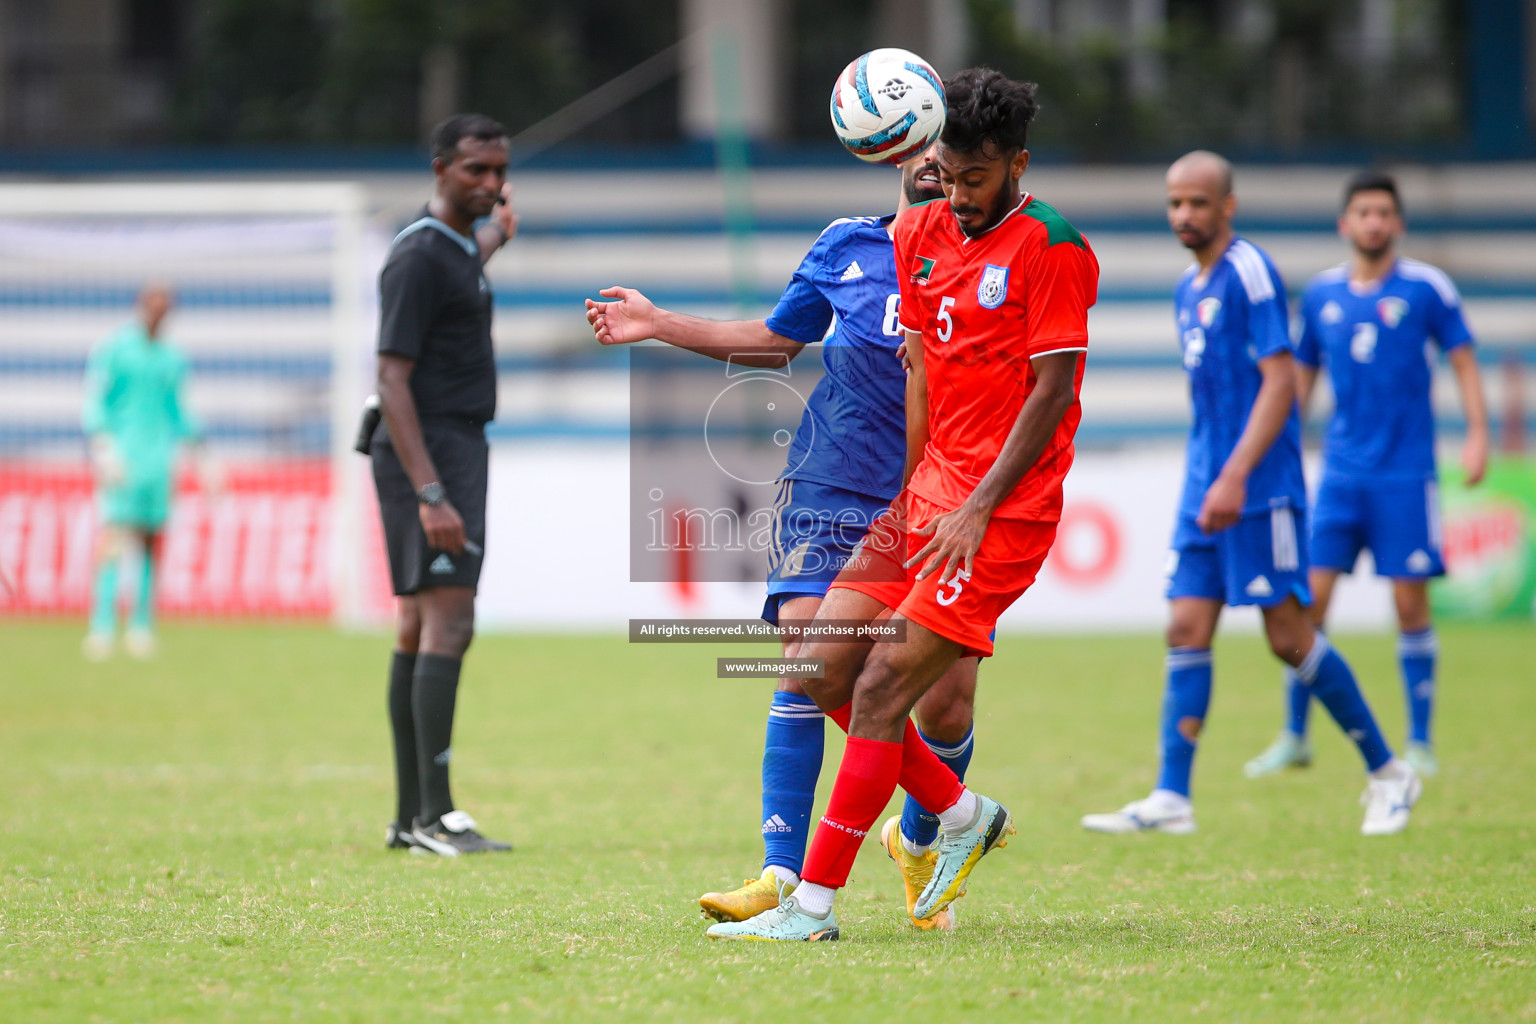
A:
266,381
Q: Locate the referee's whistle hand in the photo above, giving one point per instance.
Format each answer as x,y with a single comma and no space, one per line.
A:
443,527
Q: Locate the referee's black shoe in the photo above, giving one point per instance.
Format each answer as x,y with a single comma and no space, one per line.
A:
455,833
397,838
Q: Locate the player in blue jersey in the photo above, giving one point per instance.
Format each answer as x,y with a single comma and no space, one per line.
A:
1240,537
1368,323
850,474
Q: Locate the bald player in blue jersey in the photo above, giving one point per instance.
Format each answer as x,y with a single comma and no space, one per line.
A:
1240,538
1369,323
846,464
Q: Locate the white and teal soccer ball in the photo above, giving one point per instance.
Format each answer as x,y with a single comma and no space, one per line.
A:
888,106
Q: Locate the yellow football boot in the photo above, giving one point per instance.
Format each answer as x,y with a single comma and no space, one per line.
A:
915,873
755,896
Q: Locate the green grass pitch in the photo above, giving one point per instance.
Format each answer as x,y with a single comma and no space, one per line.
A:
199,839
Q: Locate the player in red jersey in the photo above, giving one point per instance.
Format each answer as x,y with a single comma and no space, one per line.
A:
995,290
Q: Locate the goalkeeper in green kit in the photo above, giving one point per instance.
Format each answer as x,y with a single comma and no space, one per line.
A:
136,421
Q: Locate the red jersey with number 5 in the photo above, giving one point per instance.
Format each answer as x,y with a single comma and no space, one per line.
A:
985,307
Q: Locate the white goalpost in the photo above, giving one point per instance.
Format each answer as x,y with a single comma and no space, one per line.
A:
272,282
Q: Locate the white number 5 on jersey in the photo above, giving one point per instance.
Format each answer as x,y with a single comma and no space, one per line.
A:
946,322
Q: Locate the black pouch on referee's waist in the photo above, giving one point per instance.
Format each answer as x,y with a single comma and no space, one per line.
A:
369,423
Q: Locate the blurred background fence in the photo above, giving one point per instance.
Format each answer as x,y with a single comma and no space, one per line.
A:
622,178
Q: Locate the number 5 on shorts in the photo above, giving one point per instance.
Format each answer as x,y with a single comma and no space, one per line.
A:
955,585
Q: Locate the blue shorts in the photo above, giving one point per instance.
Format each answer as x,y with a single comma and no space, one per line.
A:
1261,560
815,529
1399,520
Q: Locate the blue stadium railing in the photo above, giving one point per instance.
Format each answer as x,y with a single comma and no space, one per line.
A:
309,434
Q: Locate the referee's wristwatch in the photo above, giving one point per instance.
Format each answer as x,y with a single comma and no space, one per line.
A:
432,494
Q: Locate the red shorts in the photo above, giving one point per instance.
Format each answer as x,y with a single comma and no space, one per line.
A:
965,609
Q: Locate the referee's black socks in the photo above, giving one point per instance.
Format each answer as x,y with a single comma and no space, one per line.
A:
402,722
433,693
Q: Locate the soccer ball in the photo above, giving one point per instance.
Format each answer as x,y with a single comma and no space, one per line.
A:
888,106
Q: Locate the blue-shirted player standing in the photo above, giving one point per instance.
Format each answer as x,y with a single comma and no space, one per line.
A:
1240,537
1369,323
854,469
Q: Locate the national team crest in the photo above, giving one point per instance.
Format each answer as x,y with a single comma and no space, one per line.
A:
993,288
1206,311
1391,310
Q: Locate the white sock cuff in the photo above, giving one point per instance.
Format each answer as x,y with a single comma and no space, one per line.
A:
814,899
954,751
1422,644
1307,670
959,816
1187,657
786,875
913,848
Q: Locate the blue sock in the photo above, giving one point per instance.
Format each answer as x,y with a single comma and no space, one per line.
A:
1332,682
1184,705
917,825
791,763
104,599
1298,701
1416,654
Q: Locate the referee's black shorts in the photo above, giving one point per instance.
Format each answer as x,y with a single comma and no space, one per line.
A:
459,451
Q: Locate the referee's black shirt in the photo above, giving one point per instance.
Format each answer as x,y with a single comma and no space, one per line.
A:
436,310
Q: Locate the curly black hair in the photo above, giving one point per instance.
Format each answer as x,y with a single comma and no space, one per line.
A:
987,113
448,134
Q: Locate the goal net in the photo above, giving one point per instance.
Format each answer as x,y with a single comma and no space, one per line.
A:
271,282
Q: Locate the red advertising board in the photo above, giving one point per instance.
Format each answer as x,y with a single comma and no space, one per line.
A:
260,547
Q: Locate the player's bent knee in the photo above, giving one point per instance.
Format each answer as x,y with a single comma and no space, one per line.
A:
1184,634
1289,639
880,695
947,725
788,685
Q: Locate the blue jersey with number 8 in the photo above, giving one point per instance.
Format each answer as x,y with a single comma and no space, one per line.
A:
853,433
1374,341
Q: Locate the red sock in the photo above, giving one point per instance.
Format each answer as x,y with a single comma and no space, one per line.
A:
864,786
926,779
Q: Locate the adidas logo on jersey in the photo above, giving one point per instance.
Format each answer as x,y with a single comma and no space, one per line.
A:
441,565
1259,587
775,824
853,273
1419,561
1332,312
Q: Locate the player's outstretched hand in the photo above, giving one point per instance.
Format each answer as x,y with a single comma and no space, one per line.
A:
956,537
1474,457
444,528
1223,504
631,317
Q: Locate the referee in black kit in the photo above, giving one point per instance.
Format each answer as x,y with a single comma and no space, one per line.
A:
437,390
